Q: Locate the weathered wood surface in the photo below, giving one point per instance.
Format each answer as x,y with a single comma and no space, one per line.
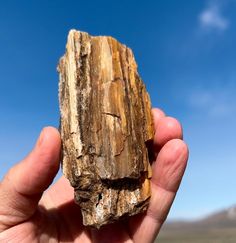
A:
106,123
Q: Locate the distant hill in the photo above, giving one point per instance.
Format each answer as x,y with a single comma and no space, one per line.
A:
219,227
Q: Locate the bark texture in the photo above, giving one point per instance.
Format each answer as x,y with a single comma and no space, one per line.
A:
106,123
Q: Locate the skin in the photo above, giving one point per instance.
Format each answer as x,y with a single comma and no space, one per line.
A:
31,211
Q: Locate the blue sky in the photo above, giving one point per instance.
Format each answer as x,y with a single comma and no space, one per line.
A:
186,55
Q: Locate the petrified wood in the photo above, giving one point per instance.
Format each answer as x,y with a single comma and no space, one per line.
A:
106,123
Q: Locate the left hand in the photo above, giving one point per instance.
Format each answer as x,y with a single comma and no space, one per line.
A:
31,213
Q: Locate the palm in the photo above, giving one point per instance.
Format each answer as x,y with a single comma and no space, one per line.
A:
64,215
56,218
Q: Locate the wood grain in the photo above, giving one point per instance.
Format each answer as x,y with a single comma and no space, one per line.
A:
106,123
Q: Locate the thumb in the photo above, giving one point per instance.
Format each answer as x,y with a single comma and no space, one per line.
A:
23,185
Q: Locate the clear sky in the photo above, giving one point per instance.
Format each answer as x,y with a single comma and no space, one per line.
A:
186,55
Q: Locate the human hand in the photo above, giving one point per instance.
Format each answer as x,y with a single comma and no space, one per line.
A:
31,213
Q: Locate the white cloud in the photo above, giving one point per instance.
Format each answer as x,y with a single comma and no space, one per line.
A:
212,18
214,103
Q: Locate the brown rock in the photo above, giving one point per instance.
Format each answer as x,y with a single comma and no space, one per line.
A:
106,122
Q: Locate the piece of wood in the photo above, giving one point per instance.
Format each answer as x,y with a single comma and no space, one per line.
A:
106,123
